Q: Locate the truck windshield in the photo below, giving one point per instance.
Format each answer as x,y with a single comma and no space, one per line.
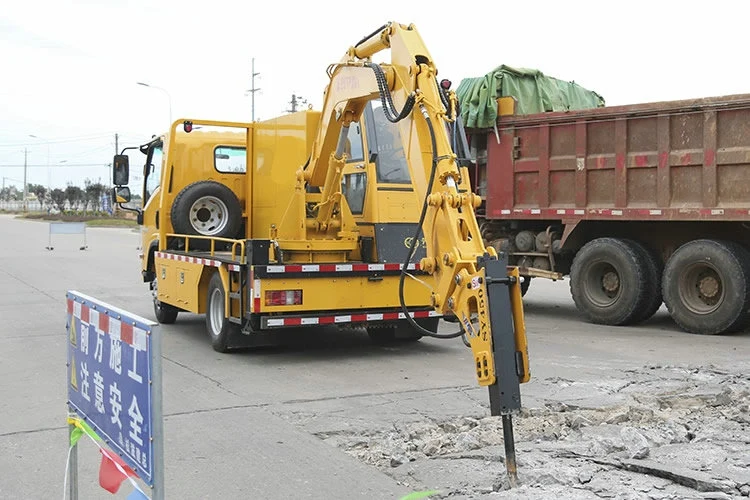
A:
390,161
152,172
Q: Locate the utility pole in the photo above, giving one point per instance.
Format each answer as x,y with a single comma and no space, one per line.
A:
25,186
253,89
296,101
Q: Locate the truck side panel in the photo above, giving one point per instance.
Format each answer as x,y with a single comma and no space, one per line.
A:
681,160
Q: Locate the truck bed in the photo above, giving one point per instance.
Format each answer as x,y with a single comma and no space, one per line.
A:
675,160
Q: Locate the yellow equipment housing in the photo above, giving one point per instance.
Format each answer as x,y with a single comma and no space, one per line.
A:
310,218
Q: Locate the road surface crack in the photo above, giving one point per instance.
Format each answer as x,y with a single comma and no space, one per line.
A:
202,375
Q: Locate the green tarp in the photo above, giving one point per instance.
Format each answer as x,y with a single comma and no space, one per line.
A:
534,93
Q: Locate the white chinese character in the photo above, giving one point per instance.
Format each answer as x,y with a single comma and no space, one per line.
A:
120,440
98,392
99,346
84,338
134,372
94,318
85,381
115,402
144,462
115,355
136,420
137,454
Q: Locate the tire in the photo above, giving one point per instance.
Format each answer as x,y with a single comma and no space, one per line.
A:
706,287
608,281
525,284
654,270
220,329
165,314
402,331
207,208
405,332
382,334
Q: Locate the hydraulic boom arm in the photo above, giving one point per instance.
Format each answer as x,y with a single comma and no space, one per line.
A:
469,281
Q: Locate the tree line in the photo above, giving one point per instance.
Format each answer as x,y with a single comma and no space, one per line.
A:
73,197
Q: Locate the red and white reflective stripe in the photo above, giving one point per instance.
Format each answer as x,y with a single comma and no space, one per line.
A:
254,291
188,259
347,318
338,268
105,324
627,212
234,267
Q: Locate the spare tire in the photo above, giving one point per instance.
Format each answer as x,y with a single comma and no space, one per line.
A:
207,208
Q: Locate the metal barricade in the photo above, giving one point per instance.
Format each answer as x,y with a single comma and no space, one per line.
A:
67,228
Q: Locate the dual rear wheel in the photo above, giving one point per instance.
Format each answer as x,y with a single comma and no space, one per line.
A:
705,284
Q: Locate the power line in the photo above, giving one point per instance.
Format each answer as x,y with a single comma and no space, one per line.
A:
62,165
57,141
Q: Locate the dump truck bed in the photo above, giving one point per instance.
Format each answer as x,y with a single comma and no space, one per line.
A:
675,160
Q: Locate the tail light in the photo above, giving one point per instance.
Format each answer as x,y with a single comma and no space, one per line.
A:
283,297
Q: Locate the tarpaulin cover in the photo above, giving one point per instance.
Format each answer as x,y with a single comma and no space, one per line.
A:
534,93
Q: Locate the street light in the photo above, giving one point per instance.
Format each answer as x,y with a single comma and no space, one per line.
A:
49,175
169,98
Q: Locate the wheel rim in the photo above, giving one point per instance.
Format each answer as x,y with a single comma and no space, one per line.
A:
602,284
701,288
216,311
209,215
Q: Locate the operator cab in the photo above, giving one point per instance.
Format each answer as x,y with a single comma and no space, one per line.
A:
378,188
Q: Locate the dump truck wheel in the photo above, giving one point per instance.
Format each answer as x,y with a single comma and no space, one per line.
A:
608,281
165,314
220,329
207,208
652,290
706,286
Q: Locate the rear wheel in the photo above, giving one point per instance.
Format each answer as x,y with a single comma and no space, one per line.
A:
220,329
608,281
165,314
652,289
401,331
706,286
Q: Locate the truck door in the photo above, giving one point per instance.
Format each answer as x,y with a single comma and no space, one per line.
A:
152,174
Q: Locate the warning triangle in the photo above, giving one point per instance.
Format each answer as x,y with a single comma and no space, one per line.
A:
73,333
73,376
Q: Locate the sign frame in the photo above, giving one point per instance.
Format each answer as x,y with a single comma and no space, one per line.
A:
88,318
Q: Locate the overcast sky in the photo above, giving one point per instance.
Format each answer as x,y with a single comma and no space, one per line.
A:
69,69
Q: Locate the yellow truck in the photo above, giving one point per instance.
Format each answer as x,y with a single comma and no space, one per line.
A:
211,217
359,214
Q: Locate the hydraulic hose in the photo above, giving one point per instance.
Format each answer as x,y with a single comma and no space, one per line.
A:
389,110
410,253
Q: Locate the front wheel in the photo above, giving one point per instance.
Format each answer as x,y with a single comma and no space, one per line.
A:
220,329
165,314
706,286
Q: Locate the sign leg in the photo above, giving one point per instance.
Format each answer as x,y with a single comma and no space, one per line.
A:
73,468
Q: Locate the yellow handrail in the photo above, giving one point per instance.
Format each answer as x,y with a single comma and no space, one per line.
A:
236,244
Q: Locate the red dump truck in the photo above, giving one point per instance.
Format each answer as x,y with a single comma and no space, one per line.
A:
638,205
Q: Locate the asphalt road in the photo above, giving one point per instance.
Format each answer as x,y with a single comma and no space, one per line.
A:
248,424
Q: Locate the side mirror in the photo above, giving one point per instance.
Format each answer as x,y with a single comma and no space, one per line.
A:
120,170
121,194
